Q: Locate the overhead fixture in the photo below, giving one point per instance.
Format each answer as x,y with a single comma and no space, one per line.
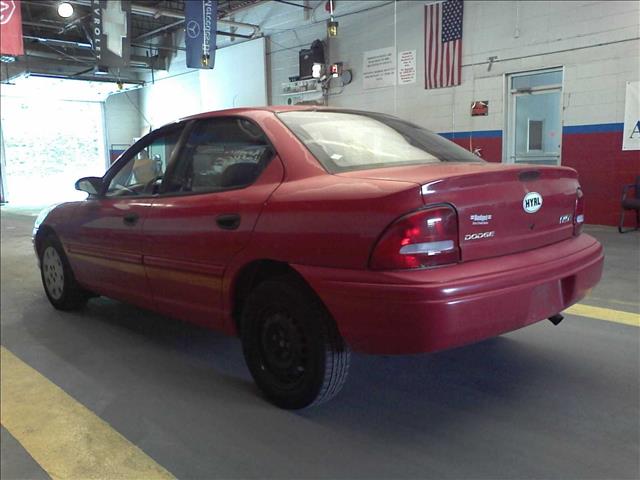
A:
65,9
332,25
332,28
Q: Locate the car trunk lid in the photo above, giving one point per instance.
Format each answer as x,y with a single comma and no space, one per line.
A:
502,209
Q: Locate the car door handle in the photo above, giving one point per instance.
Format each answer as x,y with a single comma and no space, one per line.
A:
229,221
130,219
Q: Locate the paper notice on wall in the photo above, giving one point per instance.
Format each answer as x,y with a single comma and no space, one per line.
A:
379,68
631,136
407,67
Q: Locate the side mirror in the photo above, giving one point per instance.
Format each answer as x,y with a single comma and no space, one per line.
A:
91,185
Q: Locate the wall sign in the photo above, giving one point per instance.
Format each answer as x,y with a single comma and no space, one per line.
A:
111,28
480,108
407,67
379,68
631,135
10,28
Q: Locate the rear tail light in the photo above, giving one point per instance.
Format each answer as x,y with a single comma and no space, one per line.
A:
578,217
426,238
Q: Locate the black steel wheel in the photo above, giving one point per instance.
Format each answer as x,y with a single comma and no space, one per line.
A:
57,277
291,345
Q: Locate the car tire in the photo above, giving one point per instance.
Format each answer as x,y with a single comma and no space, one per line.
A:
58,280
291,345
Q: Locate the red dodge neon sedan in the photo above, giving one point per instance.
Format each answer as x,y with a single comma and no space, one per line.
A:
310,232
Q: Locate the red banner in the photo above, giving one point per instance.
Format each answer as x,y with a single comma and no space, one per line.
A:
11,28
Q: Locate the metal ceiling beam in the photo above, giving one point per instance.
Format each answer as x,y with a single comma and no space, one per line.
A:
136,61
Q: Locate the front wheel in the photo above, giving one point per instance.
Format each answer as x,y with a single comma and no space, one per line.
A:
292,346
57,277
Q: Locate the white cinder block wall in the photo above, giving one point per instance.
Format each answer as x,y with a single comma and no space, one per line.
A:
595,41
238,79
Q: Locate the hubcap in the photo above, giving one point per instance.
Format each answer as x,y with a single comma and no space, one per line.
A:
53,273
284,348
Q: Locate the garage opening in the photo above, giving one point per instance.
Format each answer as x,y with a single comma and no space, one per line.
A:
53,134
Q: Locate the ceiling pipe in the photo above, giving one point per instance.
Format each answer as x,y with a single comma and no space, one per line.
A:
163,12
286,2
60,43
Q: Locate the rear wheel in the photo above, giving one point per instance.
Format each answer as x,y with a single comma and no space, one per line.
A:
291,345
57,277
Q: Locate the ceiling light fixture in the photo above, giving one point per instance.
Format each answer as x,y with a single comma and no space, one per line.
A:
65,9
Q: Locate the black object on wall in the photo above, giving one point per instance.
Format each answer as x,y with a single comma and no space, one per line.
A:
309,56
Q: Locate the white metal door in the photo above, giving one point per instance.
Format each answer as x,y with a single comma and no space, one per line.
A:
534,133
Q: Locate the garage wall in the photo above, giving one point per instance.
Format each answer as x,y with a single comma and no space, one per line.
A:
596,42
238,79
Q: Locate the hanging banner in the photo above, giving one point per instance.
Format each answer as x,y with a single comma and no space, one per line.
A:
631,136
200,23
11,28
111,27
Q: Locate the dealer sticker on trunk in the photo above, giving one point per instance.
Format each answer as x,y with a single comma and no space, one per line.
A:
532,202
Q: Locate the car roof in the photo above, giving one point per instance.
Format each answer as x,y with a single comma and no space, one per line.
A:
273,108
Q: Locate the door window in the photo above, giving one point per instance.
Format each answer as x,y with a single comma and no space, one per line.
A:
220,154
142,174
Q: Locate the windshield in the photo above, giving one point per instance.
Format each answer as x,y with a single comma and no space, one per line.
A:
344,141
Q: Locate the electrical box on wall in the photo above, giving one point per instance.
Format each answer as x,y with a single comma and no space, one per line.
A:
309,56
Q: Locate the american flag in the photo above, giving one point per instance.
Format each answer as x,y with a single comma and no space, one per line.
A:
443,44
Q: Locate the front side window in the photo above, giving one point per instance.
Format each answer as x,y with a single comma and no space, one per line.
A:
142,174
344,141
220,154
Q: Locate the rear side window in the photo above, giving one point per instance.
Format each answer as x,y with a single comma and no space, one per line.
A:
344,141
220,154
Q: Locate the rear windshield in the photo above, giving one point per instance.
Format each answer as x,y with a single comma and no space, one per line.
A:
344,141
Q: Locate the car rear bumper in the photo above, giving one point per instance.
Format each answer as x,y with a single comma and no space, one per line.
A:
428,310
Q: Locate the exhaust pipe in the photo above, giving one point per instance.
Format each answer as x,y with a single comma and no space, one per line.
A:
556,319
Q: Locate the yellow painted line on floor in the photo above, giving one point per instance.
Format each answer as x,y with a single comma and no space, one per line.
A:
634,305
66,439
599,313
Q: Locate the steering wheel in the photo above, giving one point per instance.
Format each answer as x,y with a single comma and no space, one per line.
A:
151,185
124,187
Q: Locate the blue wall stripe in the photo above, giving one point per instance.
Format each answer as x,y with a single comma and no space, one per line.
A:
596,128
475,134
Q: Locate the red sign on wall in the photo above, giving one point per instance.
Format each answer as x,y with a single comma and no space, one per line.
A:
11,28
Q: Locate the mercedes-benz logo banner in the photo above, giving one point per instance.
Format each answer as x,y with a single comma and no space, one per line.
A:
200,25
111,29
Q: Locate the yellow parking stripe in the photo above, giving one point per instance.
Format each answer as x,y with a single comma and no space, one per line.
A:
64,437
617,316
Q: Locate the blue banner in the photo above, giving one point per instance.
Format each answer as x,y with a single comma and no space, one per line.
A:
200,25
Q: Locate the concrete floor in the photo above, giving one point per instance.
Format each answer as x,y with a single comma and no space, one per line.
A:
542,402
